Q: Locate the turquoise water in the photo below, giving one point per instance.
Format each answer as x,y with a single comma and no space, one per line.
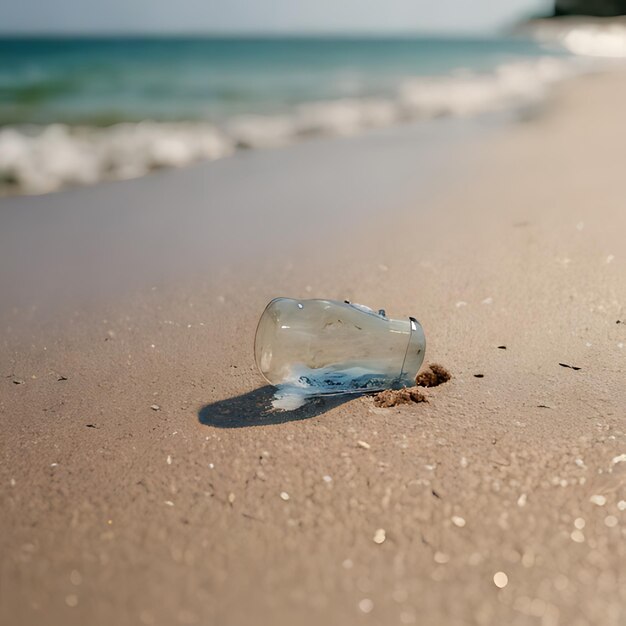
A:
107,80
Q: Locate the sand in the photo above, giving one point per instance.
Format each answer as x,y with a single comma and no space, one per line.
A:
432,375
144,480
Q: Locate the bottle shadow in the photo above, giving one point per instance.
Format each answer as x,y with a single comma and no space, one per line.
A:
255,409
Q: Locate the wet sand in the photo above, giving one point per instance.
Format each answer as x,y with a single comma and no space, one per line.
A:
145,481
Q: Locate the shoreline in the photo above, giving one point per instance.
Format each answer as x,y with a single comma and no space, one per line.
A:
92,245
502,500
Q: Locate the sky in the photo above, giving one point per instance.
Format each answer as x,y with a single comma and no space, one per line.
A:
262,16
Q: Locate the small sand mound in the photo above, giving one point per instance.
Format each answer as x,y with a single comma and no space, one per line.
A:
392,397
434,376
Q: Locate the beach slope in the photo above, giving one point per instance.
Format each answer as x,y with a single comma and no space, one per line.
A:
144,481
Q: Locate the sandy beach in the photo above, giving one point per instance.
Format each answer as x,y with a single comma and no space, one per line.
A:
145,481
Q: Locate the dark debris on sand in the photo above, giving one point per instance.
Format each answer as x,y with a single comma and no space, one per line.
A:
435,375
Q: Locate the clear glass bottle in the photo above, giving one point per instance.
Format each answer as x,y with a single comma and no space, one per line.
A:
328,347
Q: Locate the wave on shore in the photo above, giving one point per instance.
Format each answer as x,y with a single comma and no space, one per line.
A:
591,37
40,159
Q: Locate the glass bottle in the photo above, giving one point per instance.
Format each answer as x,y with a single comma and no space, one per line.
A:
319,347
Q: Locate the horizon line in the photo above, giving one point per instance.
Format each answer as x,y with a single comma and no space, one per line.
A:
250,34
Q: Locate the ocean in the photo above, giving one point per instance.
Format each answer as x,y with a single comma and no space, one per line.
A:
80,110
103,81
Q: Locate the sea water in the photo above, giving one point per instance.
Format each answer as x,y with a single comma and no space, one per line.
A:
79,110
304,382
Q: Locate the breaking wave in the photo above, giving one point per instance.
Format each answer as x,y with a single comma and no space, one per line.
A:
40,159
599,37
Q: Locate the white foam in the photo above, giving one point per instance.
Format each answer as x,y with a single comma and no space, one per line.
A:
284,401
344,117
587,37
510,85
42,159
